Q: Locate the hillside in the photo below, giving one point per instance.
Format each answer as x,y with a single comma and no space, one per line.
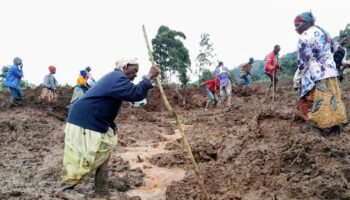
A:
252,150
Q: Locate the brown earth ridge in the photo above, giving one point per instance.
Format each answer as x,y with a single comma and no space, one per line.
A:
255,149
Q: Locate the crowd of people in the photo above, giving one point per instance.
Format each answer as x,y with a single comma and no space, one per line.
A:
321,63
223,81
91,133
50,84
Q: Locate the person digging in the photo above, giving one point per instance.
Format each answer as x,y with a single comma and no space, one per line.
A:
272,66
90,133
245,72
211,87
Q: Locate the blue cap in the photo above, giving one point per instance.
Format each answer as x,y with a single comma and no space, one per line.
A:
83,73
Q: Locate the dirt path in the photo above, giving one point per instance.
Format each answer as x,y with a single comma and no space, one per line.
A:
156,178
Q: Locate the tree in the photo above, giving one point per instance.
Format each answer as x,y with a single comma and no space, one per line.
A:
205,57
3,76
23,84
206,75
171,54
289,64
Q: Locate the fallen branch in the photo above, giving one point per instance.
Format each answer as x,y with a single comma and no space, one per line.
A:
178,123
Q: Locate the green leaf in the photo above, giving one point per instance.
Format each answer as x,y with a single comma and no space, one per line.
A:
321,86
333,103
316,105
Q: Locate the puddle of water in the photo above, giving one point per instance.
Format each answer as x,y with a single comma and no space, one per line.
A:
156,179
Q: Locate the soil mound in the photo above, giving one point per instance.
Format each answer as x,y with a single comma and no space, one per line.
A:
255,149
187,98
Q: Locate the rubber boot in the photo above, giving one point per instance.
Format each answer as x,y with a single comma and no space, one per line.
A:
101,182
67,187
336,130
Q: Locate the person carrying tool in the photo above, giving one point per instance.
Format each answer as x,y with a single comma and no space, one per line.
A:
13,79
271,67
49,85
211,87
340,56
224,76
320,101
245,71
91,133
81,87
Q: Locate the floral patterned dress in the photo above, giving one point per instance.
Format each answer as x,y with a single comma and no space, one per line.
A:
315,60
316,76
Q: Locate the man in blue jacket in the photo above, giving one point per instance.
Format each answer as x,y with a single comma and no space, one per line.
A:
13,79
90,133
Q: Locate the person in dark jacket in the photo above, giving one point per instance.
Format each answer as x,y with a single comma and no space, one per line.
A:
340,56
13,79
90,133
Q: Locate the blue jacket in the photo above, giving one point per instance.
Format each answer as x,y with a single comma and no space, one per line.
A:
99,107
14,76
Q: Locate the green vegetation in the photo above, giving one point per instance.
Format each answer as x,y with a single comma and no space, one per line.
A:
205,59
3,74
171,54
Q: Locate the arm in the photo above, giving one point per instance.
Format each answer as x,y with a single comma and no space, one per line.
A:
46,82
91,77
268,62
304,57
53,83
347,63
248,69
216,74
206,82
17,73
123,89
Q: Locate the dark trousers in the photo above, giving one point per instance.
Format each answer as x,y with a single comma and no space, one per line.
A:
16,94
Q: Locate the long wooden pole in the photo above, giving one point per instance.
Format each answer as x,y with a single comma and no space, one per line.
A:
273,86
178,123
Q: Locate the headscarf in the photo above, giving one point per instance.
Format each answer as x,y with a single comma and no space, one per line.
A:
17,61
83,73
309,17
305,17
120,64
52,68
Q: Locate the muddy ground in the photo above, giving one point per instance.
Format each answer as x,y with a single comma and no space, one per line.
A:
255,149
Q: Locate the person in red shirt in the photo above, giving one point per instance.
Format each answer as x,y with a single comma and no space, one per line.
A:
211,89
272,65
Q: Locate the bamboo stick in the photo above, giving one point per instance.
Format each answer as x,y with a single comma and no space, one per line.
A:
178,123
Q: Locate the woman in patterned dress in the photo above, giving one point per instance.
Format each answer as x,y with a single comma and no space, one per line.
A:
316,77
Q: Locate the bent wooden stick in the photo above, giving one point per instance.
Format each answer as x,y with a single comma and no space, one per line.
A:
178,123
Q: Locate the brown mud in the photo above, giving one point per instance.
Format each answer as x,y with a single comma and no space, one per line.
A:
255,149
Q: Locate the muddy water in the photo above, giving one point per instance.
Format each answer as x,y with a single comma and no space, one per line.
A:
156,178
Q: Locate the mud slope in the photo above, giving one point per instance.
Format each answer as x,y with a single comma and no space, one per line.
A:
255,149
260,150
